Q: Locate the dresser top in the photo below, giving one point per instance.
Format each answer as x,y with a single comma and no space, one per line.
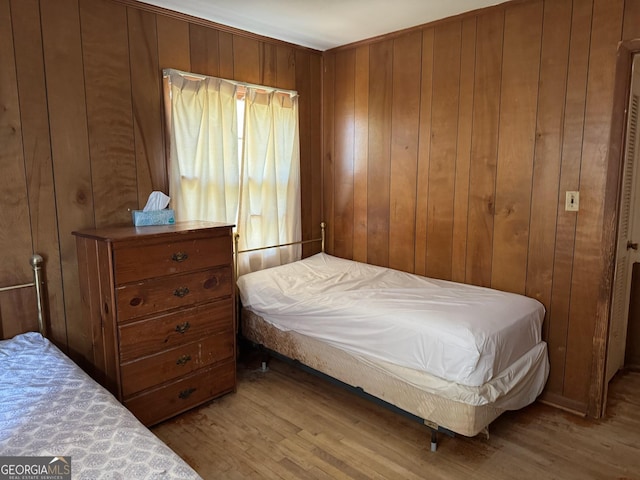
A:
119,233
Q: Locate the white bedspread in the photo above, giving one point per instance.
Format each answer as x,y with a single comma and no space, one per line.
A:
50,407
461,333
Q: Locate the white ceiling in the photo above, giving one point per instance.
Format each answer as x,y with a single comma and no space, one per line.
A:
322,24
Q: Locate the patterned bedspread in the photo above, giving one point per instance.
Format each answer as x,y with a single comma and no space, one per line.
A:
50,407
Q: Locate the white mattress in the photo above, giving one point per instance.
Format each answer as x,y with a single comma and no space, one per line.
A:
50,407
461,333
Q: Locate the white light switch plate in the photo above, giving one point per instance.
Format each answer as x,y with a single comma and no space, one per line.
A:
572,202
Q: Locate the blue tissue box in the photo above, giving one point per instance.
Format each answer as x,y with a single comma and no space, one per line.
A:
153,217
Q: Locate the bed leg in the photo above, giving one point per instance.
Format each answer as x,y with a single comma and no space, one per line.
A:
434,439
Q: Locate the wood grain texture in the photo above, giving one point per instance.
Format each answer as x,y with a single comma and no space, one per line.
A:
173,44
225,49
631,20
109,111
148,117
588,272
405,119
15,235
287,423
548,152
518,109
344,107
569,180
203,50
463,151
328,138
303,84
62,43
246,55
484,148
444,134
37,156
285,67
360,153
315,138
378,173
424,151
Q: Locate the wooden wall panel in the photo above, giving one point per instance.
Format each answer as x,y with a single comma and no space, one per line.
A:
518,108
173,44
444,134
463,151
15,235
515,107
225,51
269,71
631,25
405,119
203,50
328,160
304,117
105,53
37,156
62,46
344,105
246,55
360,153
587,273
286,67
548,152
424,151
573,125
146,95
380,106
484,147
315,144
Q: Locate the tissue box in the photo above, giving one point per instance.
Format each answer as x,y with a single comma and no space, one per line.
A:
153,217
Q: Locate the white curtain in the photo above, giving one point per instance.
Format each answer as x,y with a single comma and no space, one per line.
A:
270,180
204,174
256,185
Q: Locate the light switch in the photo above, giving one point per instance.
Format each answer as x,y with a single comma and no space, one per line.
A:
572,202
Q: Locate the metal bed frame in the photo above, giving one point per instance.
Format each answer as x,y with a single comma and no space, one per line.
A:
36,262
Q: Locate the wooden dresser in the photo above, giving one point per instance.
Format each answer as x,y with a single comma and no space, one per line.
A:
160,304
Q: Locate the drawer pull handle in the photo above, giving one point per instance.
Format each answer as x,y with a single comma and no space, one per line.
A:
183,327
179,257
183,360
181,292
184,394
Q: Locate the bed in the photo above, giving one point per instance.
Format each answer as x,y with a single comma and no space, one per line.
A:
50,408
455,356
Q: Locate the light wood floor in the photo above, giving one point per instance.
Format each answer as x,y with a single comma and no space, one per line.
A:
289,424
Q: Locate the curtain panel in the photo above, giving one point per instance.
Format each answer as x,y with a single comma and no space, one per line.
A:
247,174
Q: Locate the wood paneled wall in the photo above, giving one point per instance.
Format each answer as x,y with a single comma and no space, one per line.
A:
81,129
448,150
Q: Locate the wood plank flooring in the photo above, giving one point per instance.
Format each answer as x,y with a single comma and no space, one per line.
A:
288,424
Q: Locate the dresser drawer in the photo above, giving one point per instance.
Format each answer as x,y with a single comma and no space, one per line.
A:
166,293
156,405
153,335
134,263
162,367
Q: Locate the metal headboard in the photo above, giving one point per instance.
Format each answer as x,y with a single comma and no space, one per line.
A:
236,251
36,262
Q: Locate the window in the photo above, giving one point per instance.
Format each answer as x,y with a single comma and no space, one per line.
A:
234,157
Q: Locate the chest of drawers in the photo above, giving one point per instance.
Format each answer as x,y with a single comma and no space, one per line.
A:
160,304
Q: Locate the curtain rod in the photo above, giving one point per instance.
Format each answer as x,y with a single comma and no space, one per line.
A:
167,72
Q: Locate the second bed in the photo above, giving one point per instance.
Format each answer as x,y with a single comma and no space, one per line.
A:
454,355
